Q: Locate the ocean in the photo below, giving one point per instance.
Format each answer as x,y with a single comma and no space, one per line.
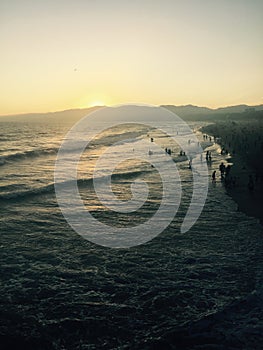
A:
62,290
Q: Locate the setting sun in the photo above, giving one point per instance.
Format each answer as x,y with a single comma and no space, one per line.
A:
99,57
96,103
92,100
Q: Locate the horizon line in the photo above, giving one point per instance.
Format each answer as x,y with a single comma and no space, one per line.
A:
129,103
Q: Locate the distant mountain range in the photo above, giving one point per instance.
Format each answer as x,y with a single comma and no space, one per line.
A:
188,112
69,115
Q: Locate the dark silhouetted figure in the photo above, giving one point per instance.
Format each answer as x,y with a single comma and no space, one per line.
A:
222,169
190,162
214,176
227,170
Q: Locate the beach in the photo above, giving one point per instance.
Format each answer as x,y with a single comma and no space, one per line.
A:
250,202
243,141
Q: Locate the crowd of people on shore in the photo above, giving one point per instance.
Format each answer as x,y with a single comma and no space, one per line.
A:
243,139
225,176
232,181
229,180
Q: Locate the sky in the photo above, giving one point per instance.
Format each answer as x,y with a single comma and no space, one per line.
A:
61,54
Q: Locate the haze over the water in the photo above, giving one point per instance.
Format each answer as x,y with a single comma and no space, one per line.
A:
57,55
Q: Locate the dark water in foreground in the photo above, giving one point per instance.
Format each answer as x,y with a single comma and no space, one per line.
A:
59,291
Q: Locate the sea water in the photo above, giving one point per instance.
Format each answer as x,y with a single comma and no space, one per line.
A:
62,290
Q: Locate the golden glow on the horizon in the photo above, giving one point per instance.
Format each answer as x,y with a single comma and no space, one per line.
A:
92,100
96,103
82,53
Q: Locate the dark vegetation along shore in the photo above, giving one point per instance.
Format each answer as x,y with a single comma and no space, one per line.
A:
242,139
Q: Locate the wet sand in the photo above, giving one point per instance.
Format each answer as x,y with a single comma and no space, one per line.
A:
244,142
249,202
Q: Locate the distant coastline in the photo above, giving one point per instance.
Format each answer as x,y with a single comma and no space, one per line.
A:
189,112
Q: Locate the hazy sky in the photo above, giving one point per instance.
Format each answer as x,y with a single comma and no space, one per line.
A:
60,54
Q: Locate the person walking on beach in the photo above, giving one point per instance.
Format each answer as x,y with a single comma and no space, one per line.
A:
214,176
222,169
227,170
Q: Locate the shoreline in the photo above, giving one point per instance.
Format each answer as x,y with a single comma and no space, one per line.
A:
248,201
